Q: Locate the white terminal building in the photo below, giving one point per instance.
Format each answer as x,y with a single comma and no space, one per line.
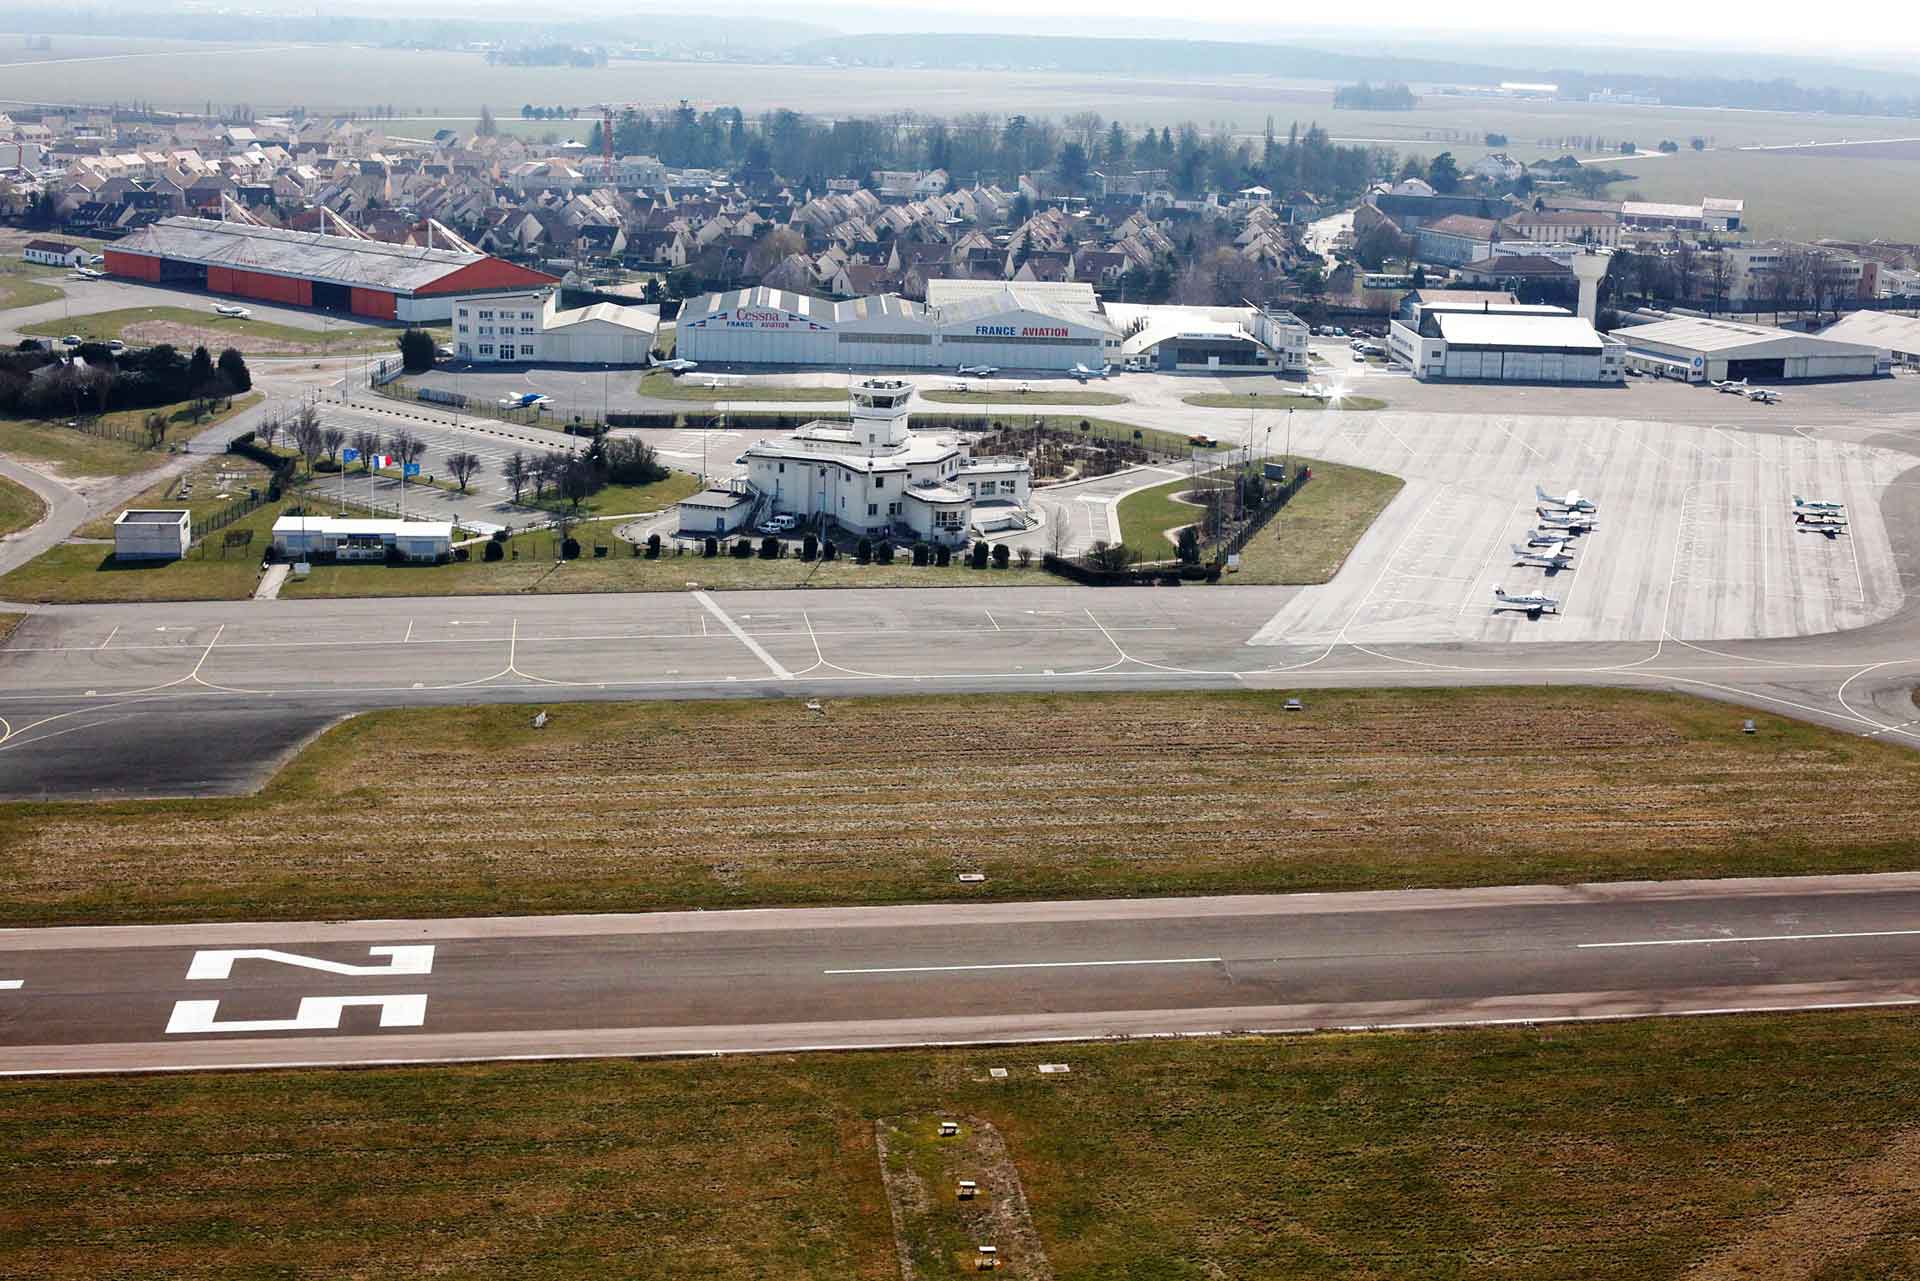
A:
528,327
1014,325
872,477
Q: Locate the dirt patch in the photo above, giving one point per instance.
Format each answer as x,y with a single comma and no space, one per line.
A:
938,1234
186,337
1844,1216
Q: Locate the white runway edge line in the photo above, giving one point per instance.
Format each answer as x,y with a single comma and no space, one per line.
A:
1029,965
759,652
9,984
1757,938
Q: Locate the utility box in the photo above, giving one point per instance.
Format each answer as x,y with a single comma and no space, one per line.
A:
988,1259
949,1128
969,1189
152,535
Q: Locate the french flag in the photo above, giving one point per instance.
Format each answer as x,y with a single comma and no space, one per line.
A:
382,461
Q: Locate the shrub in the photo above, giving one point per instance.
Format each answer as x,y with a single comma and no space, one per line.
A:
1026,556
920,553
1000,555
828,551
713,547
884,553
863,554
943,556
809,547
653,547
495,550
570,548
463,555
743,549
980,554
499,536
769,548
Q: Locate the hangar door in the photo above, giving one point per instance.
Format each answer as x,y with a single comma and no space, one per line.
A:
1774,368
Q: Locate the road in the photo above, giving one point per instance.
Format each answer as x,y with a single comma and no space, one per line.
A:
173,997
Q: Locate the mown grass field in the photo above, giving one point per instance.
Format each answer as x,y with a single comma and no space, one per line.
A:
695,387
73,573
1634,1151
1011,399
204,485
1147,516
20,287
19,507
619,807
186,328
75,453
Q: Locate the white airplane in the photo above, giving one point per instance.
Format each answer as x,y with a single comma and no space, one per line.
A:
86,273
1549,538
1816,505
1083,373
1558,558
1528,602
1820,520
676,365
1572,522
716,383
1763,396
1567,502
525,400
230,311
1730,387
977,371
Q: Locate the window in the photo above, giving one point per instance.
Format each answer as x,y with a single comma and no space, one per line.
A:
893,509
783,469
463,329
873,509
465,350
506,351
486,329
486,349
463,313
879,482
526,315
526,329
486,315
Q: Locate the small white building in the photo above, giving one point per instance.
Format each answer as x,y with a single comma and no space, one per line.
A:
874,478
146,534
331,538
527,327
54,253
716,512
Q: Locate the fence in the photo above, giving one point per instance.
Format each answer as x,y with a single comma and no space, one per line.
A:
385,371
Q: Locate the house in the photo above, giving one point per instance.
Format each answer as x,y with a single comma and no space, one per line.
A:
1456,239
1497,166
54,253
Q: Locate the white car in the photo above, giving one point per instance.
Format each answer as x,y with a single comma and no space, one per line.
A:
778,525
116,347
1359,357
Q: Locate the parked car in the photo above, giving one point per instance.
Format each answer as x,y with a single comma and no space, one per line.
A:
778,525
1359,357
71,340
116,347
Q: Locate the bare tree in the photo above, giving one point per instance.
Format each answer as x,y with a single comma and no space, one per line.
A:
366,444
1719,279
576,479
1057,531
517,472
1686,270
548,469
331,438
267,432
463,465
307,435
406,448
156,424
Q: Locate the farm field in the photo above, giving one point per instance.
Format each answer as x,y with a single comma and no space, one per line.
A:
1800,195
1656,1150
631,807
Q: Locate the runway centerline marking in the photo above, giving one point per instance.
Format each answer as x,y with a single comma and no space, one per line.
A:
1028,965
759,651
1757,938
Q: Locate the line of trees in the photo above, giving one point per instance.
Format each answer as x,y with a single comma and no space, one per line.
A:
620,460
37,383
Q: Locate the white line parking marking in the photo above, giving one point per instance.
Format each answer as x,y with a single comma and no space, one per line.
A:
1029,965
759,651
1757,938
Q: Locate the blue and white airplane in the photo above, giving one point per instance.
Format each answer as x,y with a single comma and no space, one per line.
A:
525,400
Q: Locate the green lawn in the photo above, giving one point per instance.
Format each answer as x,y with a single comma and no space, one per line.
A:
630,500
242,475
1224,400
22,288
1601,1152
204,328
77,453
1014,399
87,572
1145,517
659,385
20,507
1085,427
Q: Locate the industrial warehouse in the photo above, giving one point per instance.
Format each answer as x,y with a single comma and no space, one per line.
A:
306,269
1702,350
966,324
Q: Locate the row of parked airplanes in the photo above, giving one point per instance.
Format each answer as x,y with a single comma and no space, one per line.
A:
1740,388
1562,517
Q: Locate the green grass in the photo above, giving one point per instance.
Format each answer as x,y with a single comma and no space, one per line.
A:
1228,401
620,570
87,572
693,387
206,492
1154,438
20,507
75,453
255,337
1602,1152
1141,794
1147,515
1312,536
1014,399
22,288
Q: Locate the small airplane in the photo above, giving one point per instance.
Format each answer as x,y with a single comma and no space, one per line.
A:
1567,502
1558,558
1811,505
1535,603
525,400
715,382
1572,522
1730,387
1820,520
86,273
1083,373
1549,538
1761,395
977,371
230,311
676,365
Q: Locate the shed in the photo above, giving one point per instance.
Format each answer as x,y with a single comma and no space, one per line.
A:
149,534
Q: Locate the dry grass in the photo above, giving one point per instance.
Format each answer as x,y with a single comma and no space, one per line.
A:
668,805
20,507
7,623
1604,1152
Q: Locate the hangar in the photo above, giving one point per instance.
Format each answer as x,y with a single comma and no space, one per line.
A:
527,326
1895,337
1475,338
1173,337
1702,350
307,269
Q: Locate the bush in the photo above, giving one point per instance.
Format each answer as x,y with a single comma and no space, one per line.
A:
921,552
494,550
979,556
863,554
570,548
499,535
742,549
1026,556
1000,555
884,553
769,548
943,556
653,547
712,548
828,551
462,555
809,547
416,350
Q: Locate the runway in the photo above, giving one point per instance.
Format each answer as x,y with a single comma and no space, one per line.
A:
165,998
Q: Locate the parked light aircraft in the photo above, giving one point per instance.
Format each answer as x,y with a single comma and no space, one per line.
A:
1729,387
676,366
1573,522
1571,501
231,311
1549,537
1083,373
525,400
1820,520
1816,505
1527,602
86,273
1761,395
977,371
1557,558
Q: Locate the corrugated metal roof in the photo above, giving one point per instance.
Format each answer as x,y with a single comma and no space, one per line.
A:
1021,297
1481,329
335,259
1886,330
817,309
1702,335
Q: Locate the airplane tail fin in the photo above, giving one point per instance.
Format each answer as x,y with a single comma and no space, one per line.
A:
1541,494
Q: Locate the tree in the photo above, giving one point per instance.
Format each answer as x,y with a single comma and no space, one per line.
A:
517,472
1698,144
1443,174
267,432
1114,557
199,373
486,128
331,438
156,425
406,449
1073,166
366,444
578,480
233,368
306,434
1189,547
1496,140
463,465
416,350
1719,279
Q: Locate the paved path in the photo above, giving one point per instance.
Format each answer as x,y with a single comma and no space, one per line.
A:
160,998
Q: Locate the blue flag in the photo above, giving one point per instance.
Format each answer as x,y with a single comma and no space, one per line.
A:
411,469
349,455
